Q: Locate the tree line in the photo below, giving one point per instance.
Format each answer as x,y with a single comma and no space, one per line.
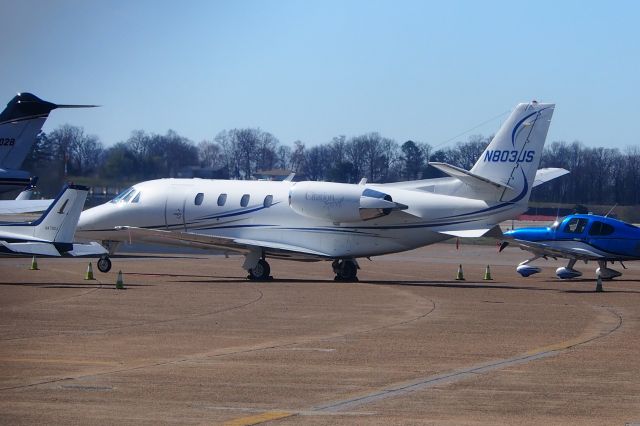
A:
598,175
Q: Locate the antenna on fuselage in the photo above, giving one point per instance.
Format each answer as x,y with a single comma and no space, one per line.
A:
611,209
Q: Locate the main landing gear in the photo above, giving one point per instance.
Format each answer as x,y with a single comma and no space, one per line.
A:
257,266
104,263
260,272
345,270
607,273
567,272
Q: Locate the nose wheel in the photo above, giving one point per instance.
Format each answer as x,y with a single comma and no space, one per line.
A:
104,264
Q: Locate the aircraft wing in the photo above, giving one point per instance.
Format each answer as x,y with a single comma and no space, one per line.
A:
474,232
23,206
205,241
466,233
545,249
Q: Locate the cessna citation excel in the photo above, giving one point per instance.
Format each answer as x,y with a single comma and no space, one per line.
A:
338,222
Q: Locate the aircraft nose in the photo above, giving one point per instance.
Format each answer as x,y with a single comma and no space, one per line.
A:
89,219
528,234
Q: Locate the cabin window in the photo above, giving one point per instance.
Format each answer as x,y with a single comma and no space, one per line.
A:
601,228
136,199
575,226
199,199
268,200
244,201
222,199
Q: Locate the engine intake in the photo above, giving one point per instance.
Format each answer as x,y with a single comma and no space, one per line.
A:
340,202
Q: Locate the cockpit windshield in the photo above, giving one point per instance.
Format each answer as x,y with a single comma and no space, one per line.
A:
555,224
126,195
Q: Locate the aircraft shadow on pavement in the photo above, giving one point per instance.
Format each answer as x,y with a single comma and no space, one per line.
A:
414,283
71,285
211,279
153,274
493,285
592,280
155,256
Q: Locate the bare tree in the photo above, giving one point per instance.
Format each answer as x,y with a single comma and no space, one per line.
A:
298,157
210,154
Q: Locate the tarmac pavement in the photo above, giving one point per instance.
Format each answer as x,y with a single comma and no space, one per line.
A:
191,341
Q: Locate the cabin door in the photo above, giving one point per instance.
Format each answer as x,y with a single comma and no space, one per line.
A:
174,209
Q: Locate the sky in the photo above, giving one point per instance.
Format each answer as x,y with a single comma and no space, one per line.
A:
311,70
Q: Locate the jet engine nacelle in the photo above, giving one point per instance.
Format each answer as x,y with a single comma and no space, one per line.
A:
339,202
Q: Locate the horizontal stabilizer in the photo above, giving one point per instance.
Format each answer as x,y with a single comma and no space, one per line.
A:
31,248
23,206
91,249
545,175
468,177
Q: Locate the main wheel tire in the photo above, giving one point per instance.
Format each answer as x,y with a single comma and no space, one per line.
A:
348,271
104,264
261,271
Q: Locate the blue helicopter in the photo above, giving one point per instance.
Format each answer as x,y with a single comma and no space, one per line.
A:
578,237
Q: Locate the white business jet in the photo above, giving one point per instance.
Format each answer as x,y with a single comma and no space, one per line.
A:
52,234
338,222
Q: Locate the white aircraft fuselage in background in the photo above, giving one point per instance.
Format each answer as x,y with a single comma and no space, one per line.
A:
334,221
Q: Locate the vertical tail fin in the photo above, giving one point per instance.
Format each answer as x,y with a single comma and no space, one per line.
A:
58,224
20,123
513,156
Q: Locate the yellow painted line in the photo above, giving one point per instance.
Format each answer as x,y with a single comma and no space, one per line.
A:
557,346
259,418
